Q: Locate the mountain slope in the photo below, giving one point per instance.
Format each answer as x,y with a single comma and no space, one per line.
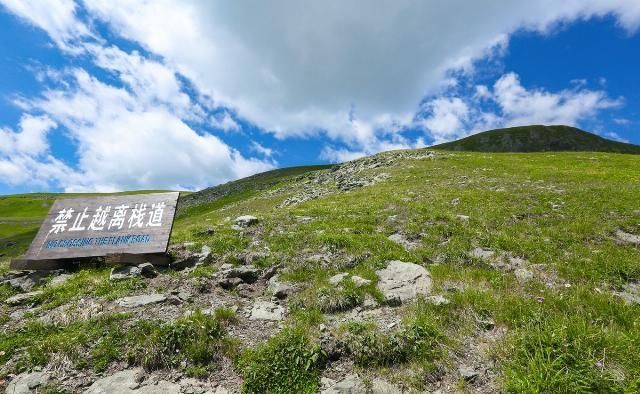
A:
537,138
527,265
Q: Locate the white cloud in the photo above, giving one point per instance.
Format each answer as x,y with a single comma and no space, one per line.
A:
264,151
296,69
448,117
127,143
224,122
56,17
352,71
452,117
24,154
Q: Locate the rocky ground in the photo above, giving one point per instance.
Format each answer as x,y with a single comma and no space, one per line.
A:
403,272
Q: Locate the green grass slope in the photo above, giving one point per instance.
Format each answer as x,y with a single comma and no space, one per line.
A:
537,138
553,322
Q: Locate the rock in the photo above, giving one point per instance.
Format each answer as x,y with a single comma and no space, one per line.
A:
206,231
625,237
379,386
125,272
630,293
27,383
462,218
246,221
123,382
304,219
369,302
205,253
467,373
400,282
229,283
438,300
162,387
186,262
23,298
248,273
482,253
351,384
404,241
140,300
280,289
148,270
523,275
266,310
27,280
455,201
271,271
359,281
58,280
336,279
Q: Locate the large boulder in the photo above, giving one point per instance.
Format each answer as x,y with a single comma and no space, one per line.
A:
246,221
400,282
23,298
141,300
27,383
120,382
266,310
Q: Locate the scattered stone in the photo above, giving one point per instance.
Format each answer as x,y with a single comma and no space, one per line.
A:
266,310
123,382
229,283
359,281
336,279
523,275
455,202
206,231
438,300
141,300
380,386
248,274
625,237
482,253
205,253
281,290
401,239
148,270
304,219
27,280
186,262
462,218
369,302
58,280
27,383
125,272
469,374
246,221
271,271
630,293
400,282
351,384
23,298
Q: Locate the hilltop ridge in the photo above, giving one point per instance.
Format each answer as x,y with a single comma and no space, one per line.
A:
538,138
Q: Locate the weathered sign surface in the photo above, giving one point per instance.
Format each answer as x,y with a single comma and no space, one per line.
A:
97,226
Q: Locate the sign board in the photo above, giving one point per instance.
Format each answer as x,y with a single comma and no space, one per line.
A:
97,226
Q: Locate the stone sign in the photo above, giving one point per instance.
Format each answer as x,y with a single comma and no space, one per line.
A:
97,226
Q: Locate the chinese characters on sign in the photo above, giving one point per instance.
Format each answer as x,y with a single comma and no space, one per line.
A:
96,226
139,218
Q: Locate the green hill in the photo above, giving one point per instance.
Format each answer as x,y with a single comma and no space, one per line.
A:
537,138
527,265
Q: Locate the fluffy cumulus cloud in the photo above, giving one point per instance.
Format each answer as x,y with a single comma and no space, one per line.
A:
354,72
508,103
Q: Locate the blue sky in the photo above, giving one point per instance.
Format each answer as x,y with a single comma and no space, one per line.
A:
116,95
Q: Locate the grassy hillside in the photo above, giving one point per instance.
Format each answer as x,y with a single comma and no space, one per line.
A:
537,138
525,250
